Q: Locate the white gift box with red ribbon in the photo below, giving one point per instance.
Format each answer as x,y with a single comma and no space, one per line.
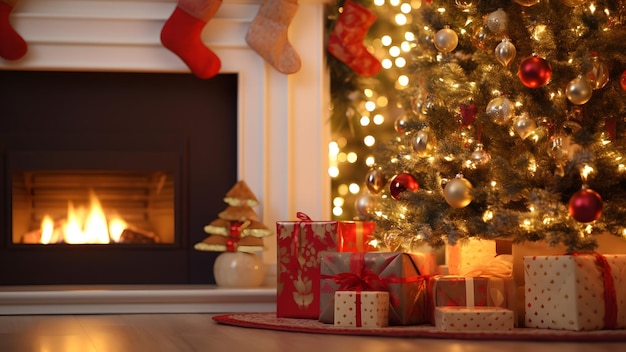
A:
575,292
367,309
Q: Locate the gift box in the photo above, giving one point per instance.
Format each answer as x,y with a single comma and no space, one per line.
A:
355,236
355,309
473,319
575,292
473,256
298,246
393,272
481,291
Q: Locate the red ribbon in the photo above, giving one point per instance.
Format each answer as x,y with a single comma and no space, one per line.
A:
361,278
610,296
297,238
358,310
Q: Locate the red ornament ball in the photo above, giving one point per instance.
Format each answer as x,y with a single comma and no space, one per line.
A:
622,80
534,72
585,206
402,183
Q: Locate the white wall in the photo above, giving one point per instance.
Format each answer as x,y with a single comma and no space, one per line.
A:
284,132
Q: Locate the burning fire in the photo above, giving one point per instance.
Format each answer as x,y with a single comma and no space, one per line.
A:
83,225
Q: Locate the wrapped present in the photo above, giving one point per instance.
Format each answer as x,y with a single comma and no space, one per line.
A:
473,256
368,309
393,272
473,318
480,291
355,236
575,292
299,245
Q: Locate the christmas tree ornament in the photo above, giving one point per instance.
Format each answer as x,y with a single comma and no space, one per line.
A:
182,33
375,180
446,40
622,80
579,90
534,72
480,37
524,126
500,110
267,35
585,205
598,74
468,114
457,192
401,124
562,149
480,156
402,183
365,205
573,3
393,240
527,3
423,142
505,52
12,45
497,21
346,41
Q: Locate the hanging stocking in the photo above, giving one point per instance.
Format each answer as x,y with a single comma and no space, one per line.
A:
181,34
346,41
267,35
12,46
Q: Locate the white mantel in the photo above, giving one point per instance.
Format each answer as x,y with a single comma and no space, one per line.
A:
283,120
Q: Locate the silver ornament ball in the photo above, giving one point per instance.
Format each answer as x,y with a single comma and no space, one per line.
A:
500,110
446,40
579,90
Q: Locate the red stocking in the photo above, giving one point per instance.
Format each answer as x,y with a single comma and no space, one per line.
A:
182,35
346,41
12,46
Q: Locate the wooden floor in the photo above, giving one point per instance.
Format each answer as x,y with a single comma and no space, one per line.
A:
198,332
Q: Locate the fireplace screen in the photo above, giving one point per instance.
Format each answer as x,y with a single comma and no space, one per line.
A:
93,207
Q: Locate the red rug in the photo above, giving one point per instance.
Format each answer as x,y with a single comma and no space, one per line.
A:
271,322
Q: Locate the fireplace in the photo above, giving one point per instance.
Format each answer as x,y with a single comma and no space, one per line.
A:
110,177
281,124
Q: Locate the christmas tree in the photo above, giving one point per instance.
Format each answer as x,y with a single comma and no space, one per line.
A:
236,228
513,126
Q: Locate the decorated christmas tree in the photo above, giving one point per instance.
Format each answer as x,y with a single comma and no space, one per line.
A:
513,126
237,228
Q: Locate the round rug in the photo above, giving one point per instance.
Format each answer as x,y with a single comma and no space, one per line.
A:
271,322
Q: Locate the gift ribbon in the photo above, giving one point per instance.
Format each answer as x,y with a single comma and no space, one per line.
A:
499,266
358,309
297,235
610,296
359,235
469,292
361,278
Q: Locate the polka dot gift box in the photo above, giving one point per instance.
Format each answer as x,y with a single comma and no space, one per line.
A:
367,309
473,318
575,292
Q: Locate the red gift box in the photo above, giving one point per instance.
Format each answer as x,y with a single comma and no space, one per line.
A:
299,245
355,236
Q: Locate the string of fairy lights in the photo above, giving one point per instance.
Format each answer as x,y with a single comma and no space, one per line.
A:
373,107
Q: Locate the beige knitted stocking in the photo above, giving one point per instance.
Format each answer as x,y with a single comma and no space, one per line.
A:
267,35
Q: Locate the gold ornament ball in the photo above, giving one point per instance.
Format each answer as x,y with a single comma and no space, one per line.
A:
579,90
423,143
524,126
501,110
573,3
446,40
457,192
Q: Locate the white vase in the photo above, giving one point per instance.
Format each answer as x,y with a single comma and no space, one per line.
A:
238,269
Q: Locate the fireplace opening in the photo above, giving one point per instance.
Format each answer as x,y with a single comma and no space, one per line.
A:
110,177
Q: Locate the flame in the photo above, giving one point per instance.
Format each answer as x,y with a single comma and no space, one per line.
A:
84,225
